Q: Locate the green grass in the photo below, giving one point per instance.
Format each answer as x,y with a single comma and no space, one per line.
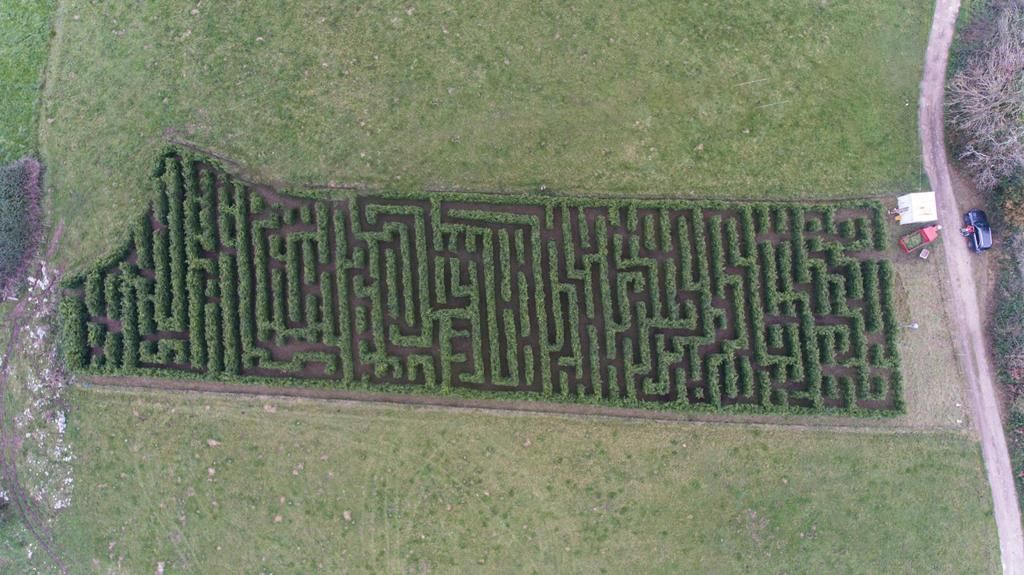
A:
931,374
24,46
454,491
15,545
729,99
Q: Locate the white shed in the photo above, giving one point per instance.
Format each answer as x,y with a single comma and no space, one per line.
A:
917,208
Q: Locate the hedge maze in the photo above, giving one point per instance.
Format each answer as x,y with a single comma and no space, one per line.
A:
726,305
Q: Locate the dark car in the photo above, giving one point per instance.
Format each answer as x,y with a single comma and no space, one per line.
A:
980,239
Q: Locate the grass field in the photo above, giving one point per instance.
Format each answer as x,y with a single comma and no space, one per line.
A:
24,47
934,393
271,486
774,100
731,99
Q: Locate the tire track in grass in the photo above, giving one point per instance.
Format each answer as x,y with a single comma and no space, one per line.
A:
31,518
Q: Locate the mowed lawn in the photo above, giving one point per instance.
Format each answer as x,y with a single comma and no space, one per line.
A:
207,484
779,99
24,42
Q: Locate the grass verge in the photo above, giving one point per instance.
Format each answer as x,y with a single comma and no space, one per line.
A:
210,484
935,396
1008,342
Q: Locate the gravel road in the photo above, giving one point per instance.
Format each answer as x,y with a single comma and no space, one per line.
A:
964,311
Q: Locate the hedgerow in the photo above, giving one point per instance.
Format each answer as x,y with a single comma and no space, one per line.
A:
20,217
74,329
628,302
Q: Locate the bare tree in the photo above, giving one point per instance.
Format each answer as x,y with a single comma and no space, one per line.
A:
985,97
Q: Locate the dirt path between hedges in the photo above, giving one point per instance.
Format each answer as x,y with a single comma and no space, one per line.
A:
964,310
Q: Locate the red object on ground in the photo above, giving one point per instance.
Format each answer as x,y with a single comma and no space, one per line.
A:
919,238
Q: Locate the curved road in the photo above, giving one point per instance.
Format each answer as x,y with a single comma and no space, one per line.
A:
963,308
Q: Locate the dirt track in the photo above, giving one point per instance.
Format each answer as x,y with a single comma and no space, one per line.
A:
964,310
29,511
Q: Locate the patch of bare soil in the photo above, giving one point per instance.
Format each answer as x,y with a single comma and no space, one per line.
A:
39,483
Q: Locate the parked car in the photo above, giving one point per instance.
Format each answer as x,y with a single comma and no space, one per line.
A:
978,232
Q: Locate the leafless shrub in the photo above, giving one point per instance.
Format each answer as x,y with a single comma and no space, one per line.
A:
985,97
20,219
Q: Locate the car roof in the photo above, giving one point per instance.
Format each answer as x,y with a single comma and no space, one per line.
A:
984,237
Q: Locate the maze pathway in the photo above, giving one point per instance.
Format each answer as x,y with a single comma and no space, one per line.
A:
622,301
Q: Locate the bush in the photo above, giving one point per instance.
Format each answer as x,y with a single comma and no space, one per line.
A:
830,387
228,282
878,229
872,296
131,319
984,101
896,383
716,256
196,318
20,217
112,296
162,271
847,230
1011,199
246,327
94,294
112,349
73,332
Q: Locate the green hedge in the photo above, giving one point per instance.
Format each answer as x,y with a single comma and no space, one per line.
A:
678,302
20,217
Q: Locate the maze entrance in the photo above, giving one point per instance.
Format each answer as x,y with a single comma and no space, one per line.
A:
622,301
